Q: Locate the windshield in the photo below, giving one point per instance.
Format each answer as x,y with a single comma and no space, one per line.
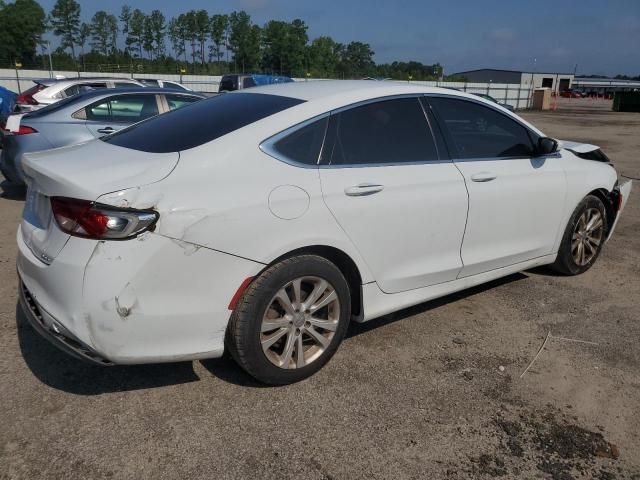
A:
200,122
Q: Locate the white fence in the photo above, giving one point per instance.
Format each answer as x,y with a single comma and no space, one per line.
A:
516,95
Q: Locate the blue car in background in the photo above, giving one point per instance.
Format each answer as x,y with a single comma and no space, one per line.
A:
7,104
229,83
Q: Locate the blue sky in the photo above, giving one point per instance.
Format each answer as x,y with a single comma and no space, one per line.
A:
601,36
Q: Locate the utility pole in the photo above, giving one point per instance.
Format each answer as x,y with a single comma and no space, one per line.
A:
48,43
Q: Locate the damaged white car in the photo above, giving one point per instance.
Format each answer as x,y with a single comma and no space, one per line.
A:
263,222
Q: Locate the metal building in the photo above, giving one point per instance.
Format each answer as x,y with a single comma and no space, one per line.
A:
555,81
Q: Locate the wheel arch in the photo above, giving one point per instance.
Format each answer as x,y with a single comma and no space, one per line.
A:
609,200
345,264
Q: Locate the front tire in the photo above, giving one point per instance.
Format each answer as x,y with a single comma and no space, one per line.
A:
290,320
583,238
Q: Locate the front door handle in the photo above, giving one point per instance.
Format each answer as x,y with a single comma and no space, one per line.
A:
483,177
106,130
363,189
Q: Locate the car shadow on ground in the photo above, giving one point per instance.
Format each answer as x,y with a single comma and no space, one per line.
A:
11,191
58,370
356,329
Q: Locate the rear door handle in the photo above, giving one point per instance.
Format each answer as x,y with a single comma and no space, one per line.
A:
483,177
363,189
106,130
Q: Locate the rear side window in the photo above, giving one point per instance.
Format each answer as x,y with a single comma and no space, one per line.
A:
477,131
121,109
172,85
124,85
178,101
386,132
248,82
303,144
228,84
92,85
201,122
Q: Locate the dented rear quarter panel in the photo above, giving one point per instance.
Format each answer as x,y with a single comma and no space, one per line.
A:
156,299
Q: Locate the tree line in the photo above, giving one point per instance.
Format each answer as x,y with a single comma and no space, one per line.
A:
198,41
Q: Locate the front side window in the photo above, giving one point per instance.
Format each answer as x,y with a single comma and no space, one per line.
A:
123,109
477,131
201,122
385,132
124,85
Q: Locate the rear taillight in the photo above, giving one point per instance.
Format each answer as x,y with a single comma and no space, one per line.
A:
82,218
26,97
24,130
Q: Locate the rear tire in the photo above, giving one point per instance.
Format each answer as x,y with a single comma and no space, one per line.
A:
290,320
583,237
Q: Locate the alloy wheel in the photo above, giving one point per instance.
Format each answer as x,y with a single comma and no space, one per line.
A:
300,322
587,236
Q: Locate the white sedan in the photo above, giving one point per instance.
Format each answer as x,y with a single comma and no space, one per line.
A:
264,221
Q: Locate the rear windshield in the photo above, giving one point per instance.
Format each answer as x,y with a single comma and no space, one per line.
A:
52,107
200,122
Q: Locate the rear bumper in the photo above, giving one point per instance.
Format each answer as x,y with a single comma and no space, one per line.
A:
54,331
148,300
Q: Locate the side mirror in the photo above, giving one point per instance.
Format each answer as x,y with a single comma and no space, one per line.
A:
546,146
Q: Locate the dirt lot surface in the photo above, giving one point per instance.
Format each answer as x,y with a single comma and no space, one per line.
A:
431,392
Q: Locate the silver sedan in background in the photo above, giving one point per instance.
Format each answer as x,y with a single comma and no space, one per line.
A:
82,118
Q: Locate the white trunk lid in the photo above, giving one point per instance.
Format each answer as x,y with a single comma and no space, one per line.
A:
86,172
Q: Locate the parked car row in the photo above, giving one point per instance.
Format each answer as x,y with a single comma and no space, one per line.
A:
261,222
81,118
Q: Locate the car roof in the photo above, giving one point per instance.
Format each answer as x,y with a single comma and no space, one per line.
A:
65,82
106,92
356,89
321,96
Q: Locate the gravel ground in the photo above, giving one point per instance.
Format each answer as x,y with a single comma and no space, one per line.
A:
430,392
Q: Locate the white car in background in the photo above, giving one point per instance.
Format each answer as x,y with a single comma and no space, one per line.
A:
168,84
264,221
47,90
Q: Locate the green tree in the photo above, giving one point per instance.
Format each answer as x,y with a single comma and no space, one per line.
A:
125,18
191,28
104,32
324,57
22,25
202,31
357,60
65,21
177,29
83,35
158,27
244,41
284,47
219,27
147,37
136,31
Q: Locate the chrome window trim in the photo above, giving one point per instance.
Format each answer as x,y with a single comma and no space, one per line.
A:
267,146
